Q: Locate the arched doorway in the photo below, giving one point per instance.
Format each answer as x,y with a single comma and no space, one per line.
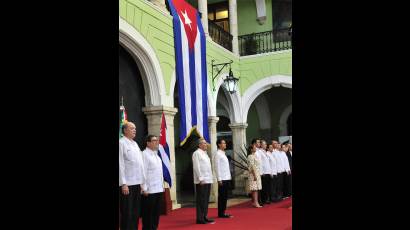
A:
267,104
289,123
183,161
131,88
265,115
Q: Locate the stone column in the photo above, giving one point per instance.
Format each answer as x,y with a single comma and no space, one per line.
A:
211,151
154,115
203,8
233,25
239,141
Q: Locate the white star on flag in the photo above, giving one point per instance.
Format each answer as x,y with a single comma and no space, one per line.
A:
186,18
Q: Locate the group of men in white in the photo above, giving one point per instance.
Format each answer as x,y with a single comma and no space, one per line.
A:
275,170
142,184
274,161
141,181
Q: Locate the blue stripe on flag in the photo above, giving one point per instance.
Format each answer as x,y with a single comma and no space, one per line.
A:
193,87
165,170
179,70
204,82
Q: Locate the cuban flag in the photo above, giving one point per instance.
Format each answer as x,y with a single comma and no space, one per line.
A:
191,72
164,152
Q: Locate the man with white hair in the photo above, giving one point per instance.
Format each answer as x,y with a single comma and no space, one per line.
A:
131,178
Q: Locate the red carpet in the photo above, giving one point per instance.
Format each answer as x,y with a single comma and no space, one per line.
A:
276,216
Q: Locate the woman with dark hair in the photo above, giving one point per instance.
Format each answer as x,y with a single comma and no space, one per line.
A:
255,183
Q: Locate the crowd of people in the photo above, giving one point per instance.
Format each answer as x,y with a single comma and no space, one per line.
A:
142,184
270,171
270,175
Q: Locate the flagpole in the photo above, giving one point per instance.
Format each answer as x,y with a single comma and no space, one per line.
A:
122,103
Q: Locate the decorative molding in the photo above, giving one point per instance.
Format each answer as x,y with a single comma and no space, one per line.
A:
261,11
147,61
159,109
261,86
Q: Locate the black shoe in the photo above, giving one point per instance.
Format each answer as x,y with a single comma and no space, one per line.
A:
209,220
200,222
225,216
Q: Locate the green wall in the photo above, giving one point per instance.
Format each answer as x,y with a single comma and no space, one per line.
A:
247,22
157,29
254,68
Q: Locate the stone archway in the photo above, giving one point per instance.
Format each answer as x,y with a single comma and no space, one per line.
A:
147,62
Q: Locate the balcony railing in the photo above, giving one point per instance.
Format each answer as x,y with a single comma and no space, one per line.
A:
264,42
219,35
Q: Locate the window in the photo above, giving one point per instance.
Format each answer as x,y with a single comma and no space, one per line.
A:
281,14
219,14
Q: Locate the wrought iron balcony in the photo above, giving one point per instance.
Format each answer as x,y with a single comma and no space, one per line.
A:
264,42
219,35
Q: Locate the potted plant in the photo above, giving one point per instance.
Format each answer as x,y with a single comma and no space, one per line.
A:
241,167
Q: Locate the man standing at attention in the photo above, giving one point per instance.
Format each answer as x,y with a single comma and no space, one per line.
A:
223,175
202,180
131,177
266,174
154,185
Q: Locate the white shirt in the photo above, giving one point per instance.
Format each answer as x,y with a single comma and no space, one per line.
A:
154,182
221,165
202,167
131,163
279,161
258,154
272,162
285,161
265,165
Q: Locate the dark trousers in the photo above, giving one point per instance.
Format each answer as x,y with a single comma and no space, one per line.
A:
223,196
151,211
288,185
202,199
260,194
273,190
130,208
279,186
266,187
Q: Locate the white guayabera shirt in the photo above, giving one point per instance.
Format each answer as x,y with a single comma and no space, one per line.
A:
221,165
154,182
131,163
202,167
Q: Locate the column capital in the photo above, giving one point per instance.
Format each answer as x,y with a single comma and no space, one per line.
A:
160,109
213,119
238,125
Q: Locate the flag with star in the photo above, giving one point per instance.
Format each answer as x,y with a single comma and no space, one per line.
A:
191,72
